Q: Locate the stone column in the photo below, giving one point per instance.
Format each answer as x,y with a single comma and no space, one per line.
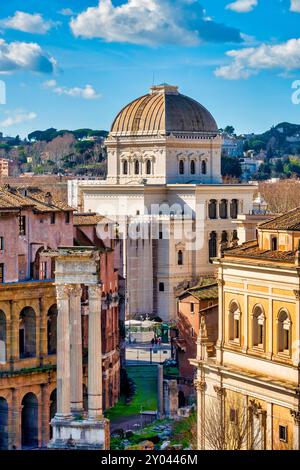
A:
95,354
14,340
269,427
200,386
296,430
63,353
45,418
221,315
43,332
76,349
160,390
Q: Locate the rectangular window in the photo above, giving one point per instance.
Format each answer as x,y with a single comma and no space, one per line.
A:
52,218
192,307
283,433
233,415
1,273
43,270
161,287
67,217
1,243
22,225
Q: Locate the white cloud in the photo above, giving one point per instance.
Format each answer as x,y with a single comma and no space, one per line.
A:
151,22
249,61
18,117
27,56
87,93
242,6
295,6
66,12
28,23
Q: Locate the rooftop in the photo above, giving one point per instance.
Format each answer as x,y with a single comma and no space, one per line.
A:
17,198
164,110
288,221
207,290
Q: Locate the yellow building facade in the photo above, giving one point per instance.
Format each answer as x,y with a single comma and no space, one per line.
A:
254,376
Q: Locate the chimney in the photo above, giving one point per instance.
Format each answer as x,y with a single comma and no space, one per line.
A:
48,198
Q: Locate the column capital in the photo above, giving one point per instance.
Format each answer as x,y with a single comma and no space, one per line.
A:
95,291
296,415
75,290
200,385
220,391
297,294
62,292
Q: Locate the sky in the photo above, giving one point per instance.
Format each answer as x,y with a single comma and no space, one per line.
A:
71,64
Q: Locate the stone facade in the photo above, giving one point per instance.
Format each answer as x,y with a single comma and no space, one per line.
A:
28,318
256,366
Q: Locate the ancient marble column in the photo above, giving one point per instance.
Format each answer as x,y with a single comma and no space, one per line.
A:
76,350
63,353
95,354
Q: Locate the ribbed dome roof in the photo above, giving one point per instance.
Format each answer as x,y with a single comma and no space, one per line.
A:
164,110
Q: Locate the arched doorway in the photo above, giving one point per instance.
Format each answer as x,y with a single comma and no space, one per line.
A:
29,422
181,399
3,424
53,408
27,333
2,337
52,329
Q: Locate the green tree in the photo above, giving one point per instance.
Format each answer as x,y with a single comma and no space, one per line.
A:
230,166
229,130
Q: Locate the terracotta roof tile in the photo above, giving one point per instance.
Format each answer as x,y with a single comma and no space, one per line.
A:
89,219
288,221
251,250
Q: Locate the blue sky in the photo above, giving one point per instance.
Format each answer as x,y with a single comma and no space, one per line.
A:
75,63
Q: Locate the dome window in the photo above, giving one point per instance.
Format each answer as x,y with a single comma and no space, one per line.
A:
203,167
193,167
136,167
181,167
125,167
148,167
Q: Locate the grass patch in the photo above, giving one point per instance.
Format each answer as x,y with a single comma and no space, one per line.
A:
145,397
185,432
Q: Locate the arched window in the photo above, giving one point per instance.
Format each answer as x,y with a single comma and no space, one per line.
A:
3,424
193,167
223,209
212,209
2,337
203,167
27,333
258,327
52,329
181,167
234,208
29,421
180,258
125,167
136,167
212,246
284,332
234,322
148,167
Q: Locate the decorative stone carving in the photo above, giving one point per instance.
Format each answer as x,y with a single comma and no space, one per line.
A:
296,415
220,282
200,385
297,294
220,391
